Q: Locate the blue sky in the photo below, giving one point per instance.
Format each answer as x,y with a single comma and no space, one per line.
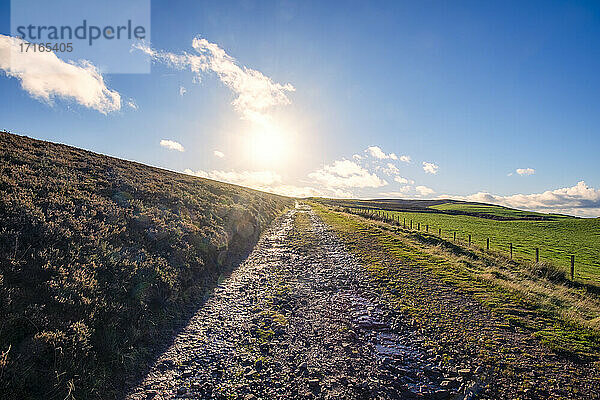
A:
478,89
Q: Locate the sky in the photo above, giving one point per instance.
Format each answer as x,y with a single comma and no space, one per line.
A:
485,101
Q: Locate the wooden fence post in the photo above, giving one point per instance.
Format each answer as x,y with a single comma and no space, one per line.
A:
572,267
411,224
454,236
440,232
404,223
469,240
488,243
510,245
419,226
537,255
426,228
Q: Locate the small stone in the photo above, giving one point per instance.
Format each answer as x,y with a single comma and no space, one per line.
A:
167,364
464,371
250,374
182,390
150,394
441,394
250,396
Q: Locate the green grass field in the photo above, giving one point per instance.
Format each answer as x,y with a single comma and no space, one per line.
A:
557,239
491,210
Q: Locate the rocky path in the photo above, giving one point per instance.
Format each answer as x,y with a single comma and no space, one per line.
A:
299,320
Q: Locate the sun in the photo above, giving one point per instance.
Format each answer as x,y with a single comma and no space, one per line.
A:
268,146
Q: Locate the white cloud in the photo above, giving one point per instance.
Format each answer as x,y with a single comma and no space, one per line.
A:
346,174
376,152
357,157
390,169
171,145
132,104
219,154
424,191
345,168
44,76
403,180
525,171
579,200
430,168
182,90
255,92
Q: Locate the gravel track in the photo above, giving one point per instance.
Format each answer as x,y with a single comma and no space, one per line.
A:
298,319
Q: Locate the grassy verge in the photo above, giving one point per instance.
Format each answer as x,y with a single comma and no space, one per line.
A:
556,239
564,316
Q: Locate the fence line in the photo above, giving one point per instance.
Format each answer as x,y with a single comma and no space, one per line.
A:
384,216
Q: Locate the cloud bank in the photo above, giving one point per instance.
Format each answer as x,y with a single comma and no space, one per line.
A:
44,76
580,200
267,181
346,174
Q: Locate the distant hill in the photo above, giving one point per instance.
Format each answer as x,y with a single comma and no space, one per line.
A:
100,258
443,206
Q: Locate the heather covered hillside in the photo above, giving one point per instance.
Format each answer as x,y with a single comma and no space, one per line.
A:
100,258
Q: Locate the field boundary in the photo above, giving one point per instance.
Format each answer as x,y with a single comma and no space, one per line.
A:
514,251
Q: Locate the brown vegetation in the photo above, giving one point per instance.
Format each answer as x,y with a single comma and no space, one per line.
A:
99,259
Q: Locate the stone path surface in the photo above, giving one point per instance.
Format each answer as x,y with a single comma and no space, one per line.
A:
298,320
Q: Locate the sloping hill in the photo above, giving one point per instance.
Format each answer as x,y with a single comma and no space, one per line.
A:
443,206
100,258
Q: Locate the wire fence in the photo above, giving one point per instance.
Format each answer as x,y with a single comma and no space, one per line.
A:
416,226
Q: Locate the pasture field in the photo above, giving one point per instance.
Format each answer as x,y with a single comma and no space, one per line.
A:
557,239
493,210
